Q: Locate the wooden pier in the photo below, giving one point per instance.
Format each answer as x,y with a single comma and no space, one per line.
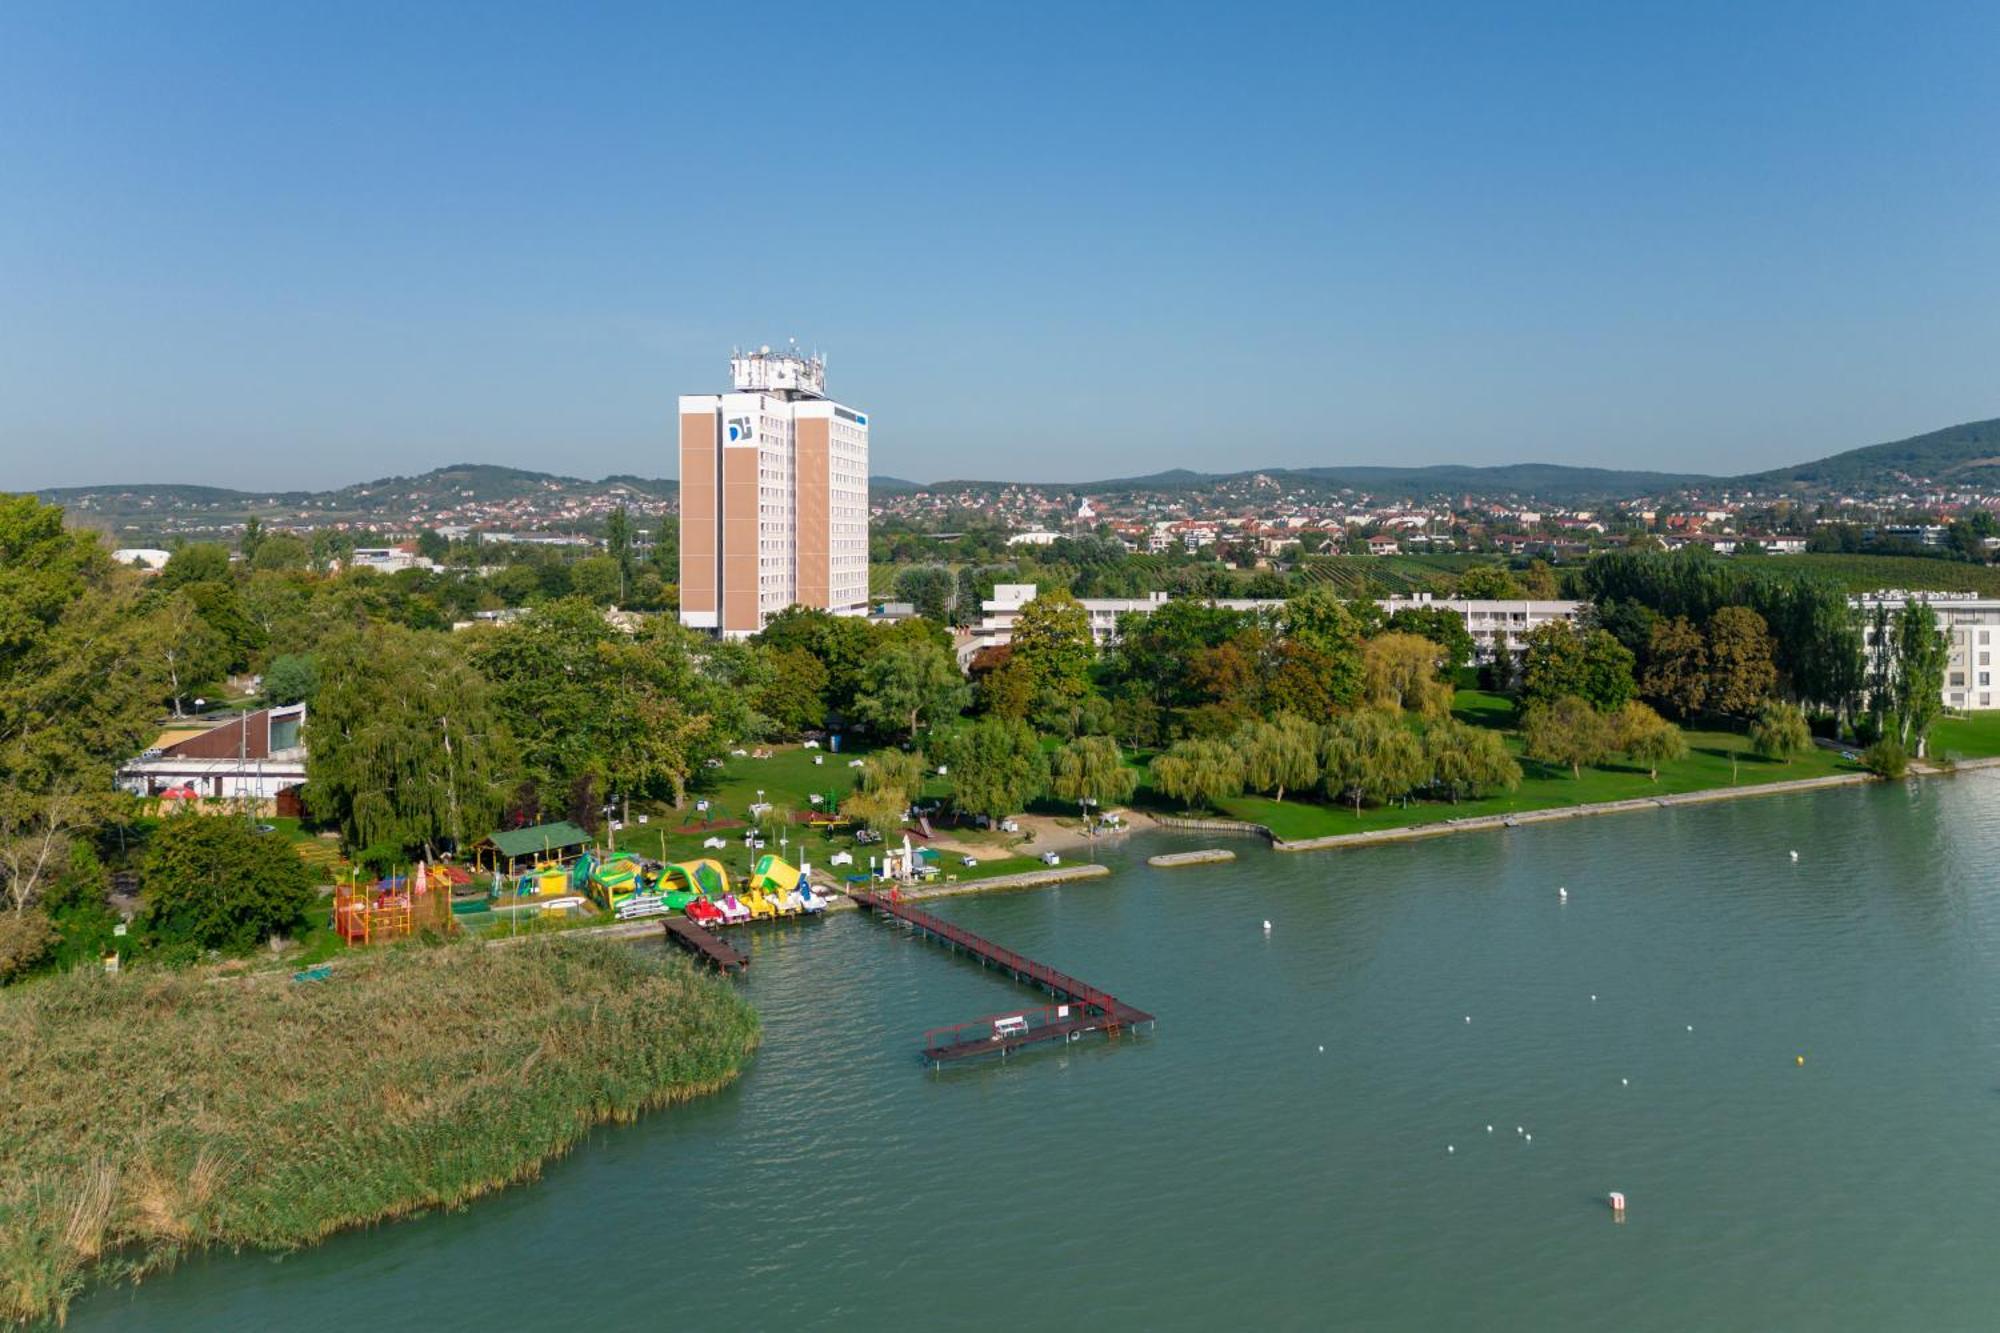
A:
725,956
1080,1007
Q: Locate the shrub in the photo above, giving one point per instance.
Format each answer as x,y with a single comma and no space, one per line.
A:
215,882
25,939
1886,759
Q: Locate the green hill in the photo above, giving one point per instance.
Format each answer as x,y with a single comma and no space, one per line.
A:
1965,456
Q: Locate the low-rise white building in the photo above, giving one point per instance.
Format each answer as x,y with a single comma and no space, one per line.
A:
1492,623
259,755
1971,623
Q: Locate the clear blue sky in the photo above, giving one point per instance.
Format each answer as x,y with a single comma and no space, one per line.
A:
302,245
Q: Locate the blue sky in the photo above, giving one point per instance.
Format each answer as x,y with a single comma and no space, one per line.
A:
303,245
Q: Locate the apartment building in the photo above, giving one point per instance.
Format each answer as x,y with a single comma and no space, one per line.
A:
774,496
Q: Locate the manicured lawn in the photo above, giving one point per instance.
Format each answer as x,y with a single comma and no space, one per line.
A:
1973,736
1715,759
788,780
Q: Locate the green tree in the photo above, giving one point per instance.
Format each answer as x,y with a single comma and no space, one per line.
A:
880,812
889,780
1052,643
1741,670
909,685
1574,660
1677,671
1644,737
290,679
1467,761
893,770
1780,731
1489,583
197,562
280,552
1198,773
794,698
1370,757
1091,769
638,713
1443,627
1278,755
188,652
842,644
618,545
1917,686
218,884
252,539
405,744
931,589
78,690
1400,674
1566,731
996,766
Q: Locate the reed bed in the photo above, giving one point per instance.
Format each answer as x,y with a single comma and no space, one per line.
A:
151,1114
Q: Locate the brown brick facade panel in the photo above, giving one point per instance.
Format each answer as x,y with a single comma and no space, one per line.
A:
698,535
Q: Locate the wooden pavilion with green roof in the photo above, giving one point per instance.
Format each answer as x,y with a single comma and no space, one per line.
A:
514,850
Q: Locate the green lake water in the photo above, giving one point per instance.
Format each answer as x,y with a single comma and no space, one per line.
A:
1226,1172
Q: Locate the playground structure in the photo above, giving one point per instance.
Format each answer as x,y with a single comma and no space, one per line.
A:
394,907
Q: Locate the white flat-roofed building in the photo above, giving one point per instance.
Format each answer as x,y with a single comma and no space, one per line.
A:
1490,622
1971,623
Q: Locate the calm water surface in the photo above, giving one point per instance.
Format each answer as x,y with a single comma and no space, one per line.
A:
1226,1172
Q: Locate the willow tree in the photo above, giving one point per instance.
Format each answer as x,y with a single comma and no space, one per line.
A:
1091,770
1278,755
406,745
1400,673
1199,773
1468,761
1370,756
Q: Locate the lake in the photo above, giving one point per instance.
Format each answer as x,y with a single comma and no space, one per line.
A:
1225,1171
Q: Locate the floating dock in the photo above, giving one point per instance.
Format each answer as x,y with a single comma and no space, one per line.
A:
725,956
1206,856
1080,1007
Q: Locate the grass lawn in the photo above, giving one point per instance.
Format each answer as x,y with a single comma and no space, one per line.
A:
788,780
1971,736
1715,759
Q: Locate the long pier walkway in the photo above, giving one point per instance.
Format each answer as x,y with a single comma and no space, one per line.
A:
1080,1007
702,944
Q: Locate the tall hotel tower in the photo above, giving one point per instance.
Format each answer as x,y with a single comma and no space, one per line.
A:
774,497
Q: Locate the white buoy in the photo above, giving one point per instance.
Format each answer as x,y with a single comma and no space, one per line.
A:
1624,1082
1449,1148
1690,1027
1489,1129
1528,1138
1593,999
1468,1018
1517,1129
1267,927
1322,1050
1795,856
1562,895
1618,1205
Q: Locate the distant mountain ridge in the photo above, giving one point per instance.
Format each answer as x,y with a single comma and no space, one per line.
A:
1965,456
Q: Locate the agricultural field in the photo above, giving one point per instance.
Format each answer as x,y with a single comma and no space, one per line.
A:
1870,573
1393,575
